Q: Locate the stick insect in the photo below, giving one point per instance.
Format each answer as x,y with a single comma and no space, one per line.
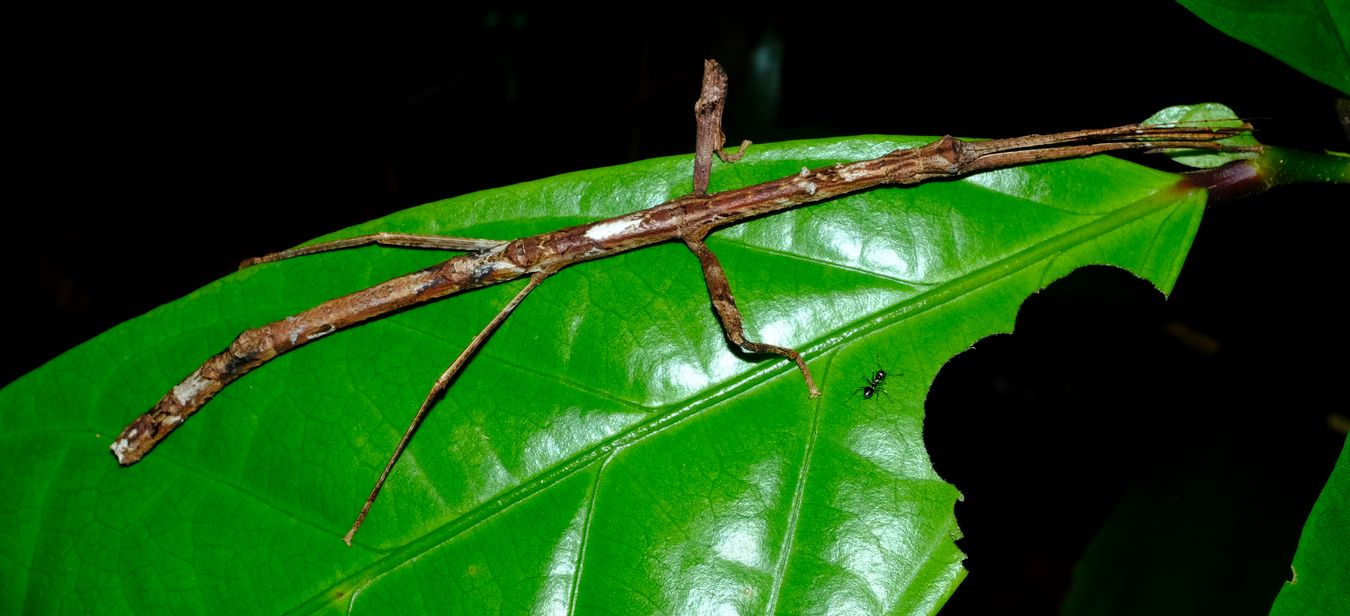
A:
687,219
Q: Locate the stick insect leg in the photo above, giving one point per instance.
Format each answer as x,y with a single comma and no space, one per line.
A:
730,316
437,389
740,151
405,240
709,138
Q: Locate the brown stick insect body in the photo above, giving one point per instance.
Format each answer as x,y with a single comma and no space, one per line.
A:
689,219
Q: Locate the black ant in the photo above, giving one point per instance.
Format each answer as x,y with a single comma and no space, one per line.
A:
874,386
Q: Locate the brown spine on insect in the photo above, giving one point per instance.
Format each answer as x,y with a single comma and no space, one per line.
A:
708,118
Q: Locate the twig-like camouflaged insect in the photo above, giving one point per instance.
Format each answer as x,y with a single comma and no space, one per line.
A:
688,219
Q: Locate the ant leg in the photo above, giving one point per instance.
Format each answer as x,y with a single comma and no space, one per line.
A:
441,384
405,240
725,306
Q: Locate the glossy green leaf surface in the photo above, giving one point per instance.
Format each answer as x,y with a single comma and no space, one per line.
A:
606,452
1312,36
1320,574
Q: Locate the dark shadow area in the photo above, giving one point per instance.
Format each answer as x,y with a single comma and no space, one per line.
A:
1111,425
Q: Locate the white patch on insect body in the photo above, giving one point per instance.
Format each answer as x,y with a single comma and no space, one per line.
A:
606,230
806,173
508,266
172,419
848,174
120,449
323,330
189,389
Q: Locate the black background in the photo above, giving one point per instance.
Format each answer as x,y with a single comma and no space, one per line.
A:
153,152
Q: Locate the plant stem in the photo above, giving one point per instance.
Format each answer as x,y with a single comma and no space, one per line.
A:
1273,167
1285,166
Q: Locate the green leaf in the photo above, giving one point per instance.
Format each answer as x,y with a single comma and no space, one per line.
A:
1320,574
1204,115
605,451
1312,36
